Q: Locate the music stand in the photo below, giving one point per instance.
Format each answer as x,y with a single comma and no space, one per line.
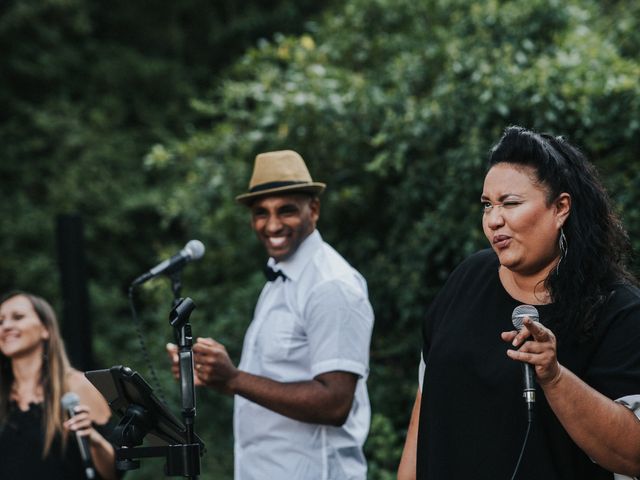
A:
142,415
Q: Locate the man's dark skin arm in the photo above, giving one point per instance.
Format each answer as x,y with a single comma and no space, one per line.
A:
324,400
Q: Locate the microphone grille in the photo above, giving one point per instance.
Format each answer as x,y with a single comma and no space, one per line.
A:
521,311
69,400
195,249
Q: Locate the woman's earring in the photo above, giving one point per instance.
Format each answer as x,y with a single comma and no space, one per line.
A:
564,248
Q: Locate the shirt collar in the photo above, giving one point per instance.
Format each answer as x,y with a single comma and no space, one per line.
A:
293,266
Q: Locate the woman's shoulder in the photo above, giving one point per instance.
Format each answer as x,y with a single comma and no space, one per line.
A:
89,395
482,260
620,314
76,380
478,268
623,296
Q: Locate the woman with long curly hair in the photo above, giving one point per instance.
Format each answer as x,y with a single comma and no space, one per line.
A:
35,436
557,248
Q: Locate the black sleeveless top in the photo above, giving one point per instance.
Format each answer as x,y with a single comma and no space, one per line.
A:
21,444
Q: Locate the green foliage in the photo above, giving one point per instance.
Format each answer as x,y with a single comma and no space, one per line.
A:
393,104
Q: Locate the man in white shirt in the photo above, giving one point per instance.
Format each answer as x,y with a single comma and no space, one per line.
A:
301,408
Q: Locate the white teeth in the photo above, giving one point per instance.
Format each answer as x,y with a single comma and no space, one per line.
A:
277,241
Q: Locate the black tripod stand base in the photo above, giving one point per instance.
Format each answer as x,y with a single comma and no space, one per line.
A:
124,465
181,460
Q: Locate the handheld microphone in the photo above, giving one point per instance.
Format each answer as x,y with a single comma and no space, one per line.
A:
193,250
529,390
69,402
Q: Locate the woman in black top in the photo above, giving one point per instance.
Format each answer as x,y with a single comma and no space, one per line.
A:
556,244
35,440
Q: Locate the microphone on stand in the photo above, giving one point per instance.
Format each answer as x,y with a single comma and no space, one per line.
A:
193,250
528,375
69,402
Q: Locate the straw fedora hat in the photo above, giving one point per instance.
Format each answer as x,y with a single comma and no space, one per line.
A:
283,171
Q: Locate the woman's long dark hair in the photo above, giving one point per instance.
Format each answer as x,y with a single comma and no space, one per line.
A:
598,244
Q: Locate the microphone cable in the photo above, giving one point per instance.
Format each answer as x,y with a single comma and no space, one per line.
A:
143,347
524,444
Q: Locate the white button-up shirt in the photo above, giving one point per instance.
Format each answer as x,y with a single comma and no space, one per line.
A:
318,320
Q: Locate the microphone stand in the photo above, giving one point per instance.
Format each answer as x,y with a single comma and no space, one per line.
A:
181,459
179,320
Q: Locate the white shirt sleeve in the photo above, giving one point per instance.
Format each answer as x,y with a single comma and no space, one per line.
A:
339,322
632,402
421,369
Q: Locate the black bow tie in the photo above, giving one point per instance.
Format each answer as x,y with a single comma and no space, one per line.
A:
273,275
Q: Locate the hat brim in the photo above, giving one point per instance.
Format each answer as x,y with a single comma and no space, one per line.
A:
315,188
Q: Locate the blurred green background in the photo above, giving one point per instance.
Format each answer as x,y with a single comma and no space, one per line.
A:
142,120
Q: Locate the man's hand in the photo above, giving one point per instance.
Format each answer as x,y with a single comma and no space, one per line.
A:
172,351
213,367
